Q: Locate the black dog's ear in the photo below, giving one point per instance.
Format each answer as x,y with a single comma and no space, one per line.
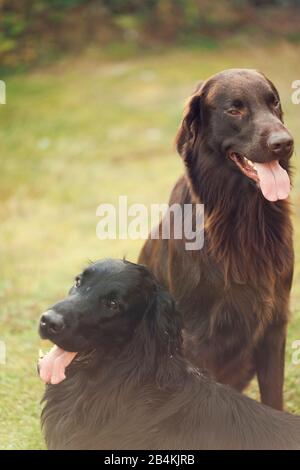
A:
158,340
191,122
164,323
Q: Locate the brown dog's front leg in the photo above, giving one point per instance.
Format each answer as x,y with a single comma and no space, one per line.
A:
270,357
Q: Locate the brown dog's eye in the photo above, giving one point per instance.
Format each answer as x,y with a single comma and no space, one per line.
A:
274,101
234,112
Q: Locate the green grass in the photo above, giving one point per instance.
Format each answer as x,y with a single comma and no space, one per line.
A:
79,133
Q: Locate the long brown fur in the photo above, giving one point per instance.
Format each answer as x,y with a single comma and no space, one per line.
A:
234,293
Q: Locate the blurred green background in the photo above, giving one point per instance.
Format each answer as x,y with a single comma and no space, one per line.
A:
95,92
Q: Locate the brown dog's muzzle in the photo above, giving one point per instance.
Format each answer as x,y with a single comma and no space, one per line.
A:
280,144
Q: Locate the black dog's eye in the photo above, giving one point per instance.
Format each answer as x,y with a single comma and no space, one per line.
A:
112,304
77,281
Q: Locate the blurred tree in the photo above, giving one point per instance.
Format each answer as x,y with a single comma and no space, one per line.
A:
33,29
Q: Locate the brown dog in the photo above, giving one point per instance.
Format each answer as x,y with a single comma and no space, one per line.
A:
234,293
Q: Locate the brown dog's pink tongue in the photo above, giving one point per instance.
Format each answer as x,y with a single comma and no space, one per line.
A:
52,366
274,180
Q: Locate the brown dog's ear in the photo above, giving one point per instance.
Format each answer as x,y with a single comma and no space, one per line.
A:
190,125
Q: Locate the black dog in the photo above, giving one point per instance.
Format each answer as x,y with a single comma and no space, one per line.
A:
129,386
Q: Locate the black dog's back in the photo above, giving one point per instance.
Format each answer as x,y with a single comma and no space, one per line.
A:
132,387
103,411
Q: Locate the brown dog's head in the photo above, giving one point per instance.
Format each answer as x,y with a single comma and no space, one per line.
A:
236,117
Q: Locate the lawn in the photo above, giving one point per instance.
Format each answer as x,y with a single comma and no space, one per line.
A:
74,135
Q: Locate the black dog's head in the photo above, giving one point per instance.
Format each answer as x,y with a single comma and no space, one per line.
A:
109,303
236,116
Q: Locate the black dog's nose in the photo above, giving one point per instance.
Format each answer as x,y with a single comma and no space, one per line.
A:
280,143
51,322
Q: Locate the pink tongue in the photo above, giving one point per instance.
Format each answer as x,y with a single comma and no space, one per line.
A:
53,365
274,180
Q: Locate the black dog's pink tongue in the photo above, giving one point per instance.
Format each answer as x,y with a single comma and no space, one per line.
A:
273,180
52,366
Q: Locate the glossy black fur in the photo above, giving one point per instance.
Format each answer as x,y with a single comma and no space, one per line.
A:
130,386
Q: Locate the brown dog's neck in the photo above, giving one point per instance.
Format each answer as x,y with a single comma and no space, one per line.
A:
246,234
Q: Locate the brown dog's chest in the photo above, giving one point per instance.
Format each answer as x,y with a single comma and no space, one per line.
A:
225,326
241,311
239,293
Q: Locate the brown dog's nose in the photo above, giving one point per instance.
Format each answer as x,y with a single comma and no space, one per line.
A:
51,322
280,143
